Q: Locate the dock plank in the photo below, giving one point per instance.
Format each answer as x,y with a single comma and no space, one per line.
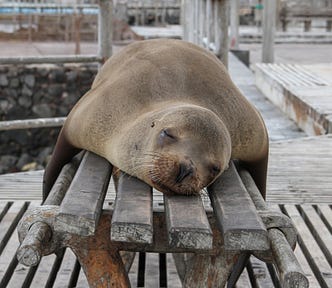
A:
9,241
64,275
10,220
311,249
133,272
44,271
297,176
173,279
21,274
151,270
318,229
301,91
313,283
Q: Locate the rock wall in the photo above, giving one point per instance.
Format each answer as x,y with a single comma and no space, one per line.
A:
28,92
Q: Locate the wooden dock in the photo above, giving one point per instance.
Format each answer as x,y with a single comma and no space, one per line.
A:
303,92
299,184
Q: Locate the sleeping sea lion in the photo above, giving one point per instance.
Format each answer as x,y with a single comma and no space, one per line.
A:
166,112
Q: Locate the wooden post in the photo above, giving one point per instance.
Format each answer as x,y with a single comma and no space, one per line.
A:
163,13
269,22
191,8
208,22
196,21
156,13
184,18
136,14
105,29
201,21
30,28
221,34
234,24
77,17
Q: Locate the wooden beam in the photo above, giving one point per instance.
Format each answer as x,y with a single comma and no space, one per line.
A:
187,223
240,224
132,219
81,207
269,23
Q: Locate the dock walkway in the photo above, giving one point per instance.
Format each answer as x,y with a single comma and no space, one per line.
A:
299,184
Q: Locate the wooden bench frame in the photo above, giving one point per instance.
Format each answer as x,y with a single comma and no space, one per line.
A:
305,15
221,239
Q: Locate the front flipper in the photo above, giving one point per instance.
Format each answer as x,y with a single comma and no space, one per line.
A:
258,171
62,154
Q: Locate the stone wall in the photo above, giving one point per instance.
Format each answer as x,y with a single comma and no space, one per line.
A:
28,92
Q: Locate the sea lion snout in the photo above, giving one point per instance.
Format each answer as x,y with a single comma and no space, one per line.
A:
185,171
172,174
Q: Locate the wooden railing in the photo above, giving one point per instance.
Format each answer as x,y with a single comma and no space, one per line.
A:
104,52
205,22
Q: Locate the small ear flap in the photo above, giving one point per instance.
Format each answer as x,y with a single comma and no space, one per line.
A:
62,154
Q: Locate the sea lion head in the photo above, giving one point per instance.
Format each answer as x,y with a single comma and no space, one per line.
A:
181,150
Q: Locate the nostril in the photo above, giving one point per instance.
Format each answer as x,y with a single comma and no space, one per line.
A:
215,169
184,171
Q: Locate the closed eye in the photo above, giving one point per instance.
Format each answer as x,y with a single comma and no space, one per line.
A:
167,133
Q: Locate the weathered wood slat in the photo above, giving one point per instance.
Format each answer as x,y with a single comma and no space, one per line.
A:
241,227
132,275
82,282
4,206
63,181
312,251
10,220
258,272
44,271
81,207
29,252
173,279
64,275
187,230
320,232
132,219
244,280
325,212
291,274
9,241
20,273
151,270
313,283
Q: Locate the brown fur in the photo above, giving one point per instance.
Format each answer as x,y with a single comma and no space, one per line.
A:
173,86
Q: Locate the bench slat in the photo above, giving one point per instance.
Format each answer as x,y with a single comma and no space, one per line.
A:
132,219
187,223
241,226
81,207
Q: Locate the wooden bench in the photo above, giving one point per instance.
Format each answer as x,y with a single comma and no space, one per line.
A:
305,15
220,239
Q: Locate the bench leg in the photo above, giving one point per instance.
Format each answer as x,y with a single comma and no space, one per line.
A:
238,269
102,263
200,270
127,259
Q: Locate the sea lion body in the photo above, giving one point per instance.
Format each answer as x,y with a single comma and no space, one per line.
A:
167,112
